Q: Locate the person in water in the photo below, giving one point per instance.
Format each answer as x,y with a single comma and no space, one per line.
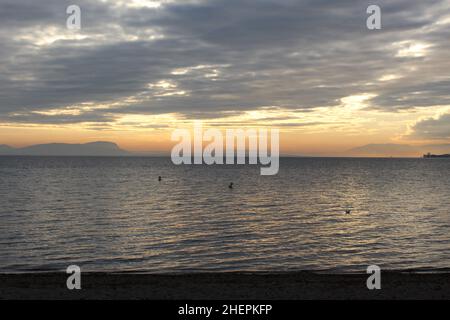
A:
159,178
231,185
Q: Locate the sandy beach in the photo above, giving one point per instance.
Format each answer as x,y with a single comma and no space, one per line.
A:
225,286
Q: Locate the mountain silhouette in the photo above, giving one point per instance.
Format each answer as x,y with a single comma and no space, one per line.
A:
99,148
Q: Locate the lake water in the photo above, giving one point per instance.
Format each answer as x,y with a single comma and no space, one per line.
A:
112,214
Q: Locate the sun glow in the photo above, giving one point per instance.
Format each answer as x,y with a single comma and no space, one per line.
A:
411,49
357,102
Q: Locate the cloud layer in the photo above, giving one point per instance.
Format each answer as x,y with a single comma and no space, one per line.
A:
208,59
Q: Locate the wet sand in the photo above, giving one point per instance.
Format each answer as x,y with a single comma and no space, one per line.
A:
225,286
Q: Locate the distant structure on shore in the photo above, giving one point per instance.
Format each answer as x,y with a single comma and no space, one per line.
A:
429,155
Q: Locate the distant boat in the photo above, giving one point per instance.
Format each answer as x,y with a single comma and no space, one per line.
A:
429,155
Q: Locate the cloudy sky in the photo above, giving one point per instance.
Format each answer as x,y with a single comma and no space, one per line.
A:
137,69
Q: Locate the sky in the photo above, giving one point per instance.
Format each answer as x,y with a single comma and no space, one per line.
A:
138,69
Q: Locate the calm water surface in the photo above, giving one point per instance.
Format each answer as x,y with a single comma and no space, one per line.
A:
112,214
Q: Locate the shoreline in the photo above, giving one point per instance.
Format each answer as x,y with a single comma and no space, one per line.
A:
302,285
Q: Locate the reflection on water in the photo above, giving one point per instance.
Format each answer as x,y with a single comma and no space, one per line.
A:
113,214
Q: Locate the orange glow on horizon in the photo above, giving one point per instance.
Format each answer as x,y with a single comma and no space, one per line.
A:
324,131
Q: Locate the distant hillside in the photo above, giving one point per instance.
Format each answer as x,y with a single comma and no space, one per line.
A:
5,149
64,149
398,150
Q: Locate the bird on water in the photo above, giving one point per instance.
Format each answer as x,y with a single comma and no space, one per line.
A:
159,178
231,185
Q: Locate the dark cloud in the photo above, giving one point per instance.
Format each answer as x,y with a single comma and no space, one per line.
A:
58,119
433,129
403,95
236,55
